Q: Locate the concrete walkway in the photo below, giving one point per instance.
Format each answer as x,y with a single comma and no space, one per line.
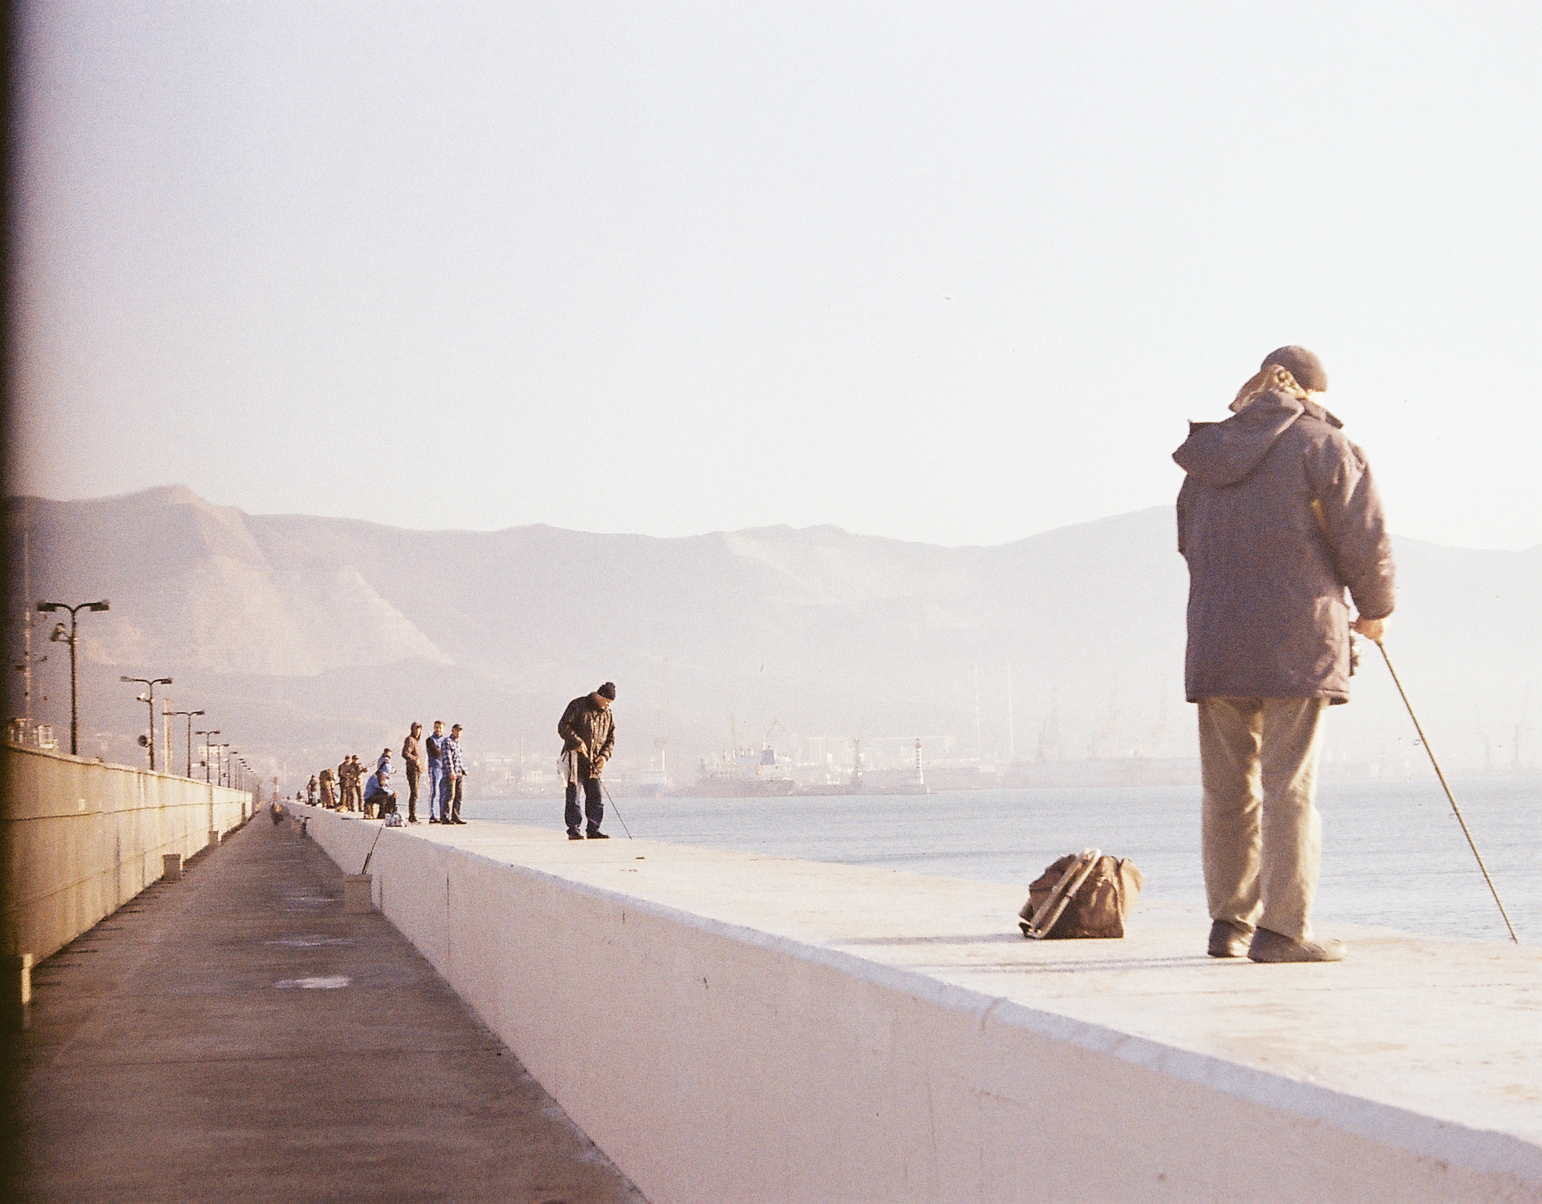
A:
236,1037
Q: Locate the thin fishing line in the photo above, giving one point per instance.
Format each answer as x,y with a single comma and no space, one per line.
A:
1457,811
616,809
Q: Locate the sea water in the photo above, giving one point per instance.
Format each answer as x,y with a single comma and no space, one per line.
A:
1393,852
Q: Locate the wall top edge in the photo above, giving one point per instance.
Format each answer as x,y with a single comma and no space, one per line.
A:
1482,1149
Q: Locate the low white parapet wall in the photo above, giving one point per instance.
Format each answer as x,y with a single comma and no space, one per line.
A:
83,837
716,1062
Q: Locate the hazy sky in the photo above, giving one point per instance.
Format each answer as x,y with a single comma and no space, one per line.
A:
955,273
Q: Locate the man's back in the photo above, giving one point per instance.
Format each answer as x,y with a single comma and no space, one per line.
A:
1278,514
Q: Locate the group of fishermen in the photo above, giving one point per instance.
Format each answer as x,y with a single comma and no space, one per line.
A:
348,789
588,732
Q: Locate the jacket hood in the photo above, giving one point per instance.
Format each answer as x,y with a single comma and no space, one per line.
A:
1223,453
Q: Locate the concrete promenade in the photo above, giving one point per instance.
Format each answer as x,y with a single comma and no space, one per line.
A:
756,1028
236,1037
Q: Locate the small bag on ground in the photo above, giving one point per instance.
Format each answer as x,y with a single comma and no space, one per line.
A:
1086,894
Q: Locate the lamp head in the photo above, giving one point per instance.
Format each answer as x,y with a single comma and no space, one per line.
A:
102,605
50,606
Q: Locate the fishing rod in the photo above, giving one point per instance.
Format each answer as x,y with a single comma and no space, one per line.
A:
1451,798
616,809
365,867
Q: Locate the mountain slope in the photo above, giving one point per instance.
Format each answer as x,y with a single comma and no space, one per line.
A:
314,636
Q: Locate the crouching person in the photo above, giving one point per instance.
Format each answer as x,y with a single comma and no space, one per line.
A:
377,790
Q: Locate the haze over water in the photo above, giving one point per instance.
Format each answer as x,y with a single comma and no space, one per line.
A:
1393,854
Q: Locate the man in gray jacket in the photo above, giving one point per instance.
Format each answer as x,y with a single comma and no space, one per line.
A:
1277,517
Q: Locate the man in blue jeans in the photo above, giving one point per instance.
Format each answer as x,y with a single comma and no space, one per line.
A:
434,746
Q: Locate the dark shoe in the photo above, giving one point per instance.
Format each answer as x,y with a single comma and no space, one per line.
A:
597,835
1271,947
432,820
457,820
575,834
1229,939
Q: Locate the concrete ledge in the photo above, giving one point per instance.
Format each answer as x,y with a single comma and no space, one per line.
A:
729,1027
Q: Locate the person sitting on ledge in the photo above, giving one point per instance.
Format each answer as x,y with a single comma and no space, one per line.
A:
377,791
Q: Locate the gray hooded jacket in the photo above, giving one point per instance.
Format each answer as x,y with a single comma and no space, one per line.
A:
1278,515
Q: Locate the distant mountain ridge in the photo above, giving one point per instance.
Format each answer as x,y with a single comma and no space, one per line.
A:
321,634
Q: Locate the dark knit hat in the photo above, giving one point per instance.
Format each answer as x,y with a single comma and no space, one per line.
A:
608,690
1302,364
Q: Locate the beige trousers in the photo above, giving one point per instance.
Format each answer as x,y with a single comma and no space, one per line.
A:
1262,832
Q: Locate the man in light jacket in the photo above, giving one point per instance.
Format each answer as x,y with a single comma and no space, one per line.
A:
1277,517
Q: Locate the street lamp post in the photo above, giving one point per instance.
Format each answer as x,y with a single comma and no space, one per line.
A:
149,697
58,635
206,746
189,715
220,749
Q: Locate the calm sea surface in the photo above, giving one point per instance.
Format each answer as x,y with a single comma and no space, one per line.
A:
1393,854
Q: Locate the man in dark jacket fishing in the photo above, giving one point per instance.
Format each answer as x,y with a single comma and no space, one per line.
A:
1277,517
412,762
588,732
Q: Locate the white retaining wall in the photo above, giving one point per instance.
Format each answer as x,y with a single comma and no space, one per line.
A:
717,1064
82,838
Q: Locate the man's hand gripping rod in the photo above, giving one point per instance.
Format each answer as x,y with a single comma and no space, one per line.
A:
1451,798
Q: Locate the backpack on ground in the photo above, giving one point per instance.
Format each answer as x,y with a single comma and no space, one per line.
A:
1086,894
